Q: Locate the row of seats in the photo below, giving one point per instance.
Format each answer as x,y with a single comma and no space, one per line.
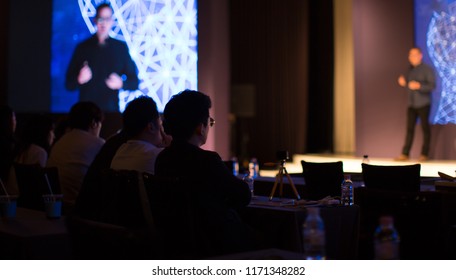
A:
324,178
140,216
321,179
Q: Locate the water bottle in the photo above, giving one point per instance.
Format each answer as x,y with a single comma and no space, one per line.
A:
346,195
313,235
235,167
386,240
250,181
254,168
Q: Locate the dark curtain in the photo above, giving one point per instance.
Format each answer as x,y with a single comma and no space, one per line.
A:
321,78
269,50
4,24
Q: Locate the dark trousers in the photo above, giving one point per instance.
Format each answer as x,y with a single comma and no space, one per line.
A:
412,115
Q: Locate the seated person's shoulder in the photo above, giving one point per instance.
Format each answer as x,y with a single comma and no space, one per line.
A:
210,156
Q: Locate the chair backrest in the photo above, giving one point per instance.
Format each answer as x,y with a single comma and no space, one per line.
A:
392,177
123,227
121,199
322,178
173,207
32,184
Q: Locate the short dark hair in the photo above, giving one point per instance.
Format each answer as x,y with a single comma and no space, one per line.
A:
138,114
184,112
36,131
102,6
83,113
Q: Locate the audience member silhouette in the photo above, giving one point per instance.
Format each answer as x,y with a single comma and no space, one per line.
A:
35,141
140,121
216,194
33,146
76,150
143,127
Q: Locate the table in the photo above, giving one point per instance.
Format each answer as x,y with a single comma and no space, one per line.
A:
449,186
30,235
263,185
281,225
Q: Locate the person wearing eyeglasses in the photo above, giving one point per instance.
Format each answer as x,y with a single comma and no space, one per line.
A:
216,193
101,65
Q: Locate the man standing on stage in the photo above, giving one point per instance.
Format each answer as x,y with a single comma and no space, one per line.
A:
101,65
419,82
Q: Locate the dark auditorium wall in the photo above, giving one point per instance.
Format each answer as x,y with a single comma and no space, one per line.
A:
383,34
4,19
29,55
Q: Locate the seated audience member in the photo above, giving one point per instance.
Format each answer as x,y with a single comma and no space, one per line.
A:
35,141
217,193
7,141
33,146
139,115
74,152
87,202
144,130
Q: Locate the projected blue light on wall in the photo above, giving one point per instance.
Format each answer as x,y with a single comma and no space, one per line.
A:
441,43
435,34
161,36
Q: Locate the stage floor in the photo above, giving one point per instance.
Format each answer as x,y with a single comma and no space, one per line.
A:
353,164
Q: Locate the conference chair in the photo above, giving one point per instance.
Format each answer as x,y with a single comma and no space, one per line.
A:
124,227
419,218
173,207
322,178
392,177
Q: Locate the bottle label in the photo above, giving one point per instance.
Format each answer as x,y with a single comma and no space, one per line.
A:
235,168
253,169
314,244
346,196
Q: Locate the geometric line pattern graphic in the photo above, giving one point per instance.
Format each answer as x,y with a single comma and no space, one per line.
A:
162,38
441,44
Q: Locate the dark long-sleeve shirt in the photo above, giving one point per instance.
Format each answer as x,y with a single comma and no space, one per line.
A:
423,74
103,60
216,195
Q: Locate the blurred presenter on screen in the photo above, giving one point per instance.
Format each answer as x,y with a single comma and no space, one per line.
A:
101,65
